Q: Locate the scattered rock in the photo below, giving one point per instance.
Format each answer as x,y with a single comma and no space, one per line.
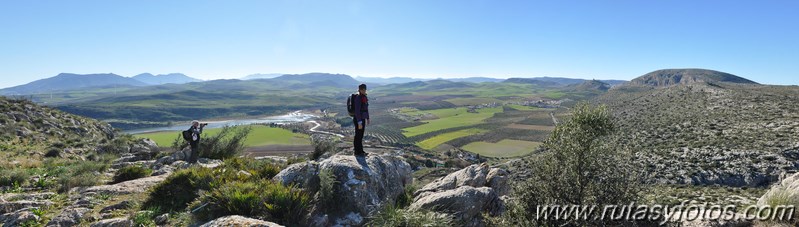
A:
68,217
236,220
166,160
163,170
134,163
28,196
18,218
162,219
209,163
12,206
128,187
116,222
244,173
119,206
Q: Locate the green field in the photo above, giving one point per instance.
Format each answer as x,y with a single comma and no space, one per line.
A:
259,136
433,142
504,148
451,118
520,107
471,101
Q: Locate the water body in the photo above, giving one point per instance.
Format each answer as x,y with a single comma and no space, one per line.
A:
281,119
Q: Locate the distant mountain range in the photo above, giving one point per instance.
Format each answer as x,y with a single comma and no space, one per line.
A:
172,78
262,76
69,81
320,79
390,80
559,81
402,80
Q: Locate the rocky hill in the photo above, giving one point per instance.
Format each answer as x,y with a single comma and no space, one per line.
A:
71,81
24,123
594,85
734,134
670,77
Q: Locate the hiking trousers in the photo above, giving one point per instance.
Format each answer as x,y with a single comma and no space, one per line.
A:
358,141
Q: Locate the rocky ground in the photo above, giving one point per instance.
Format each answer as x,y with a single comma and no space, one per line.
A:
363,187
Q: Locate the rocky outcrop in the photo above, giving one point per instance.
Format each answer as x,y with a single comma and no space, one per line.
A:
70,216
362,186
33,123
8,207
465,203
17,209
466,194
18,218
140,151
235,220
303,175
128,187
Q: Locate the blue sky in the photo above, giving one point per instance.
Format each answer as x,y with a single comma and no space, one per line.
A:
230,39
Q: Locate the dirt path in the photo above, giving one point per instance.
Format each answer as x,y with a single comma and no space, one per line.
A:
554,120
313,129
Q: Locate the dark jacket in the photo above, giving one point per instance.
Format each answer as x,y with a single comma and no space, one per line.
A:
195,133
361,106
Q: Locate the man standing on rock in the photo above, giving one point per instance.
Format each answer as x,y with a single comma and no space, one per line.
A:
196,129
360,105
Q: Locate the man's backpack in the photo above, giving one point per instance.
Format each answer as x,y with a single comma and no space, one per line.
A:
351,104
187,135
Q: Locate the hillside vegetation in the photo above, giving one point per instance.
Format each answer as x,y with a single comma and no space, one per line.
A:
736,134
25,125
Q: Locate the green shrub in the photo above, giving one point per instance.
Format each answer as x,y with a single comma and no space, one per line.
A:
118,145
179,189
42,182
406,198
321,147
580,166
261,199
229,142
286,205
52,153
235,198
145,218
131,173
261,169
11,177
226,144
103,157
82,167
328,194
68,182
392,216
781,197
294,160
